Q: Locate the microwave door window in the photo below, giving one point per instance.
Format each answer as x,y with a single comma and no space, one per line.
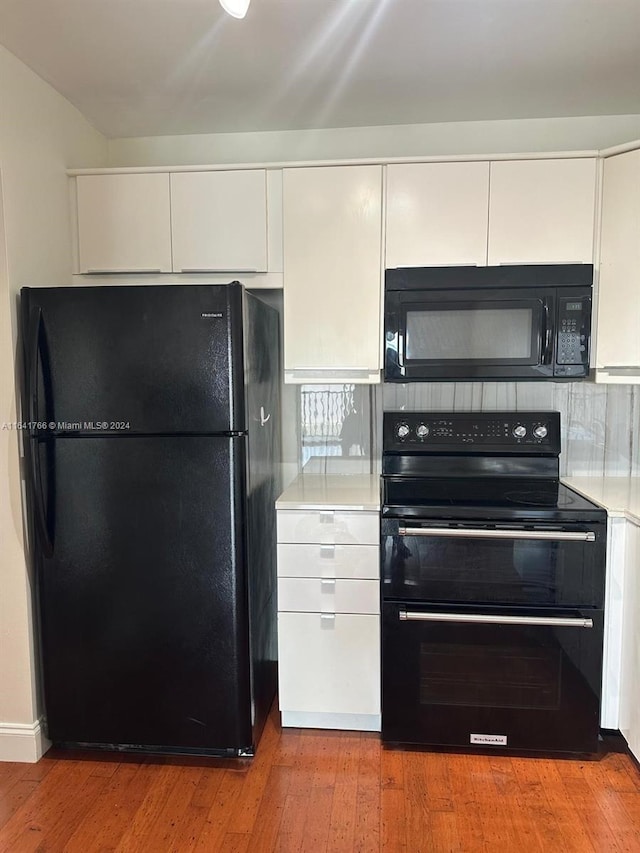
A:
479,334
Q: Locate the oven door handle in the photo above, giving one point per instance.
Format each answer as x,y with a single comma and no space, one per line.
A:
482,533
487,619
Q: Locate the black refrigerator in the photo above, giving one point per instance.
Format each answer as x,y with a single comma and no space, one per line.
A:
152,468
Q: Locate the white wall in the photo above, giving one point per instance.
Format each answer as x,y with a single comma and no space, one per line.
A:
41,135
474,137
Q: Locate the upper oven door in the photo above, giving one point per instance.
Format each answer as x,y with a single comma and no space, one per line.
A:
535,565
469,334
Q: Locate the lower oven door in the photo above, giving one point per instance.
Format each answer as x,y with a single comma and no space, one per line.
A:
511,678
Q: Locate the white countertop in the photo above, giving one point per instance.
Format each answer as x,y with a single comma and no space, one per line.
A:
620,496
332,491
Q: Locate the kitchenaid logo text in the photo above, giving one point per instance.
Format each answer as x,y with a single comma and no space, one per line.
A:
211,315
489,740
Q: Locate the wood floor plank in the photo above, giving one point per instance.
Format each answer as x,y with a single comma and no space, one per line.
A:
368,804
164,833
345,797
266,825
294,817
560,822
110,816
163,779
317,824
53,809
11,774
14,797
217,822
321,792
236,842
392,768
417,803
393,819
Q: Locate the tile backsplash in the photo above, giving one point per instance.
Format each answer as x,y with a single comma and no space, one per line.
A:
600,423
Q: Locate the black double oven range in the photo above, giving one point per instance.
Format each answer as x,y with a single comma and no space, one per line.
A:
493,577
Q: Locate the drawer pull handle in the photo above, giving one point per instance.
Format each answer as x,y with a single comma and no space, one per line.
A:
326,516
327,620
327,552
328,585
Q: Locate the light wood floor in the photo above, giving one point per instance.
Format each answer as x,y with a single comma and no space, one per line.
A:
321,791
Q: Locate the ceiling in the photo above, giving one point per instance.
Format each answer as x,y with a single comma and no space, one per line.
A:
157,67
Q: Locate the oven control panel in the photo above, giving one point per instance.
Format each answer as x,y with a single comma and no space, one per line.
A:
464,431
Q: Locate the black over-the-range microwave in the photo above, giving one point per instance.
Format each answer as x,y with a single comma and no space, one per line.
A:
474,323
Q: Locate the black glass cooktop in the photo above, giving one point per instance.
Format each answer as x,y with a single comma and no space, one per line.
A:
501,493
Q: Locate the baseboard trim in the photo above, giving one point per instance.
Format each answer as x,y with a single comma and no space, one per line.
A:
22,742
323,720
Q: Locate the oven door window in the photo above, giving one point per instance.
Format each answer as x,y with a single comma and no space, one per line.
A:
510,570
504,332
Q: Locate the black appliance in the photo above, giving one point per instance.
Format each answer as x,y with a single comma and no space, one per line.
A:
473,323
493,579
152,451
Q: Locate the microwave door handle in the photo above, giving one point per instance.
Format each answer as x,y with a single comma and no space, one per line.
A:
547,343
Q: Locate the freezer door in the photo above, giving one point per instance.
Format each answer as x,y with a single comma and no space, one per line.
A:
140,360
143,603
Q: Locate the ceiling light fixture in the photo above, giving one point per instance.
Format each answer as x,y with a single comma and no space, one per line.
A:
235,8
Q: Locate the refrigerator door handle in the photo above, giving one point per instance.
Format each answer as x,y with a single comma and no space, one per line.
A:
33,350
263,418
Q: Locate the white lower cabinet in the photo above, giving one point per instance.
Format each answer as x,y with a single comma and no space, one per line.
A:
630,674
329,619
329,670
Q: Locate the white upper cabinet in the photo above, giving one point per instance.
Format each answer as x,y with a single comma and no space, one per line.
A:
437,214
124,223
219,221
542,211
618,340
332,273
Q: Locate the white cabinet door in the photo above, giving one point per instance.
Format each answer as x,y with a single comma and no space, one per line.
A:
329,664
542,211
219,221
332,273
618,339
436,214
630,693
613,623
123,223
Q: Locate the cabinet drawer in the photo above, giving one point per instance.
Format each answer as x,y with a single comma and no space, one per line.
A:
329,664
327,595
329,561
328,527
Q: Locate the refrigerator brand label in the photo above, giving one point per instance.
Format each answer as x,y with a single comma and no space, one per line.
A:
211,315
489,740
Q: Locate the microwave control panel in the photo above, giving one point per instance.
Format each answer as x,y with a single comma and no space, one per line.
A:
572,350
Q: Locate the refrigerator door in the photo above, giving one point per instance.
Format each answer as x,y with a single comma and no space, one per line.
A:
141,360
144,633
262,369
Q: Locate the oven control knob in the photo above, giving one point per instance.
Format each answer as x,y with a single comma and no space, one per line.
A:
402,430
422,431
540,431
519,431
